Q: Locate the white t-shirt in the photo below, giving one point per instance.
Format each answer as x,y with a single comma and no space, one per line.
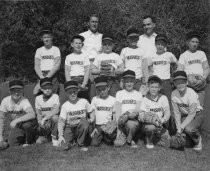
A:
92,43
133,60
147,44
193,61
184,102
161,64
77,62
46,106
111,58
47,57
15,109
104,109
128,99
156,107
72,113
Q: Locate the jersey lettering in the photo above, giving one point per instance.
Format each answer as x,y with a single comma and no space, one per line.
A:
103,108
109,61
182,105
79,112
76,62
160,63
46,109
48,57
129,102
194,62
133,57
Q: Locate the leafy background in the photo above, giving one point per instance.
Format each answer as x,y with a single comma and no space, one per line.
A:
21,21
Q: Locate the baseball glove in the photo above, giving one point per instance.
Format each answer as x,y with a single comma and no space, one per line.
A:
123,119
150,118
3,145
196,82
48,124
110,127
178,140
106,69
132,114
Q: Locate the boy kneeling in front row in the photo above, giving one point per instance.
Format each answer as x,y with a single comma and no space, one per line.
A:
47,108
73,124
104,111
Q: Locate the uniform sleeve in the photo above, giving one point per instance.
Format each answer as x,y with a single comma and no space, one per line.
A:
37,104
88,107
165,102
181,59
57,52
173,58
122,55
93,103
139,97
67,61
3,106
56,101
203,57
143,105
38,54
119,97
119,60
26,104
97,61
63,113
86,61
193,98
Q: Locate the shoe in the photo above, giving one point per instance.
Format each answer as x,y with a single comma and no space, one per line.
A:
55,142
25,145
83,148
198,147
149,146
132,144
41,140
120,140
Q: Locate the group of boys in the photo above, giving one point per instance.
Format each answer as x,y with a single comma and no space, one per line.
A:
130,97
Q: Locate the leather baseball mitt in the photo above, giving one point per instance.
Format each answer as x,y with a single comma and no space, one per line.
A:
110,127
106,69
196,82
123,119
150,118
178,140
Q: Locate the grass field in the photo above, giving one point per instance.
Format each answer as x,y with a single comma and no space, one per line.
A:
46,157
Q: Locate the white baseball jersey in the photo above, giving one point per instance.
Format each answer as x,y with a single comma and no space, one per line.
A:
104,109
72,113
77,62
46,106
47,57
156,107
161,64
15,109
183,103
128,99
193,61
133,60
147,44
111,58
92,43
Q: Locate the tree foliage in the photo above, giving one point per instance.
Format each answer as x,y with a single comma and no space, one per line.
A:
21,22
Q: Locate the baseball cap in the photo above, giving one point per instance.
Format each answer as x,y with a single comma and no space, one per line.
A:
45,81
179,75
129,73
132,32
107,36
193,34
161,37
15,84
154,78
101,81
70,84
78,37
46,30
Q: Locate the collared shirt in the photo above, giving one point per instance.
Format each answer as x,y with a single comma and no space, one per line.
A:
92,44
147,43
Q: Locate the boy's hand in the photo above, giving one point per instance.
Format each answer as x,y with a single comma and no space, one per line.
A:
179,130
14,123
60,140
43,121
95,131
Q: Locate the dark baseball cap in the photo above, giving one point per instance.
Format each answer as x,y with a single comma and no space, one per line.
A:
107,36
154,79
45,81
179,75
70,84
193,34
101,81
46,30
132,32
129,74
16,84
78,37
162,37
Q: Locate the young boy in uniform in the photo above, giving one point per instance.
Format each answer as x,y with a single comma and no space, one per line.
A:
155,105
161,63
128,103
108,64
195,64
134,59
104,112
23,124
187,109
77,66
47,61
73,124
47,109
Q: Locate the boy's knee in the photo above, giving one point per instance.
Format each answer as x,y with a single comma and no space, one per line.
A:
95,143
55,118
30,125
132,125
149,128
